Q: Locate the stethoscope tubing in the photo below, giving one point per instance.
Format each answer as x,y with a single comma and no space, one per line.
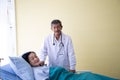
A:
60,42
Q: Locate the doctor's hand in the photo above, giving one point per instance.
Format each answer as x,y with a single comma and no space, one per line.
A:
72,71
41,63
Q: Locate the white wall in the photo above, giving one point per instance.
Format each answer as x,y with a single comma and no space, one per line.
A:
94,26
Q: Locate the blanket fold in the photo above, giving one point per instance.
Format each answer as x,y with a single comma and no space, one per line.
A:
58,73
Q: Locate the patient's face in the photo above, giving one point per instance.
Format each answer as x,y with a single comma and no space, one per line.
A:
33,59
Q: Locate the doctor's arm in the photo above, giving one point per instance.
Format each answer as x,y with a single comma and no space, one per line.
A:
71,56
43,53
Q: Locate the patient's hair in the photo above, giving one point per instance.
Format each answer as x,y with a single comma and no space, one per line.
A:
25,55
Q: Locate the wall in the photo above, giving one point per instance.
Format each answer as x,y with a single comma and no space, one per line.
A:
94,26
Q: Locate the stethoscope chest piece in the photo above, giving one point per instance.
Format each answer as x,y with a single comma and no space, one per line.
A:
61,43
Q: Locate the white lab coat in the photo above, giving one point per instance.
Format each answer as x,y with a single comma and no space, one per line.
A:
58,54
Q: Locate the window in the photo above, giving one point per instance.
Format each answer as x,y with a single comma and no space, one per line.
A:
7,30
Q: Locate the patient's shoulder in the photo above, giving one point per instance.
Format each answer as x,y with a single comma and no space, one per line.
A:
40,68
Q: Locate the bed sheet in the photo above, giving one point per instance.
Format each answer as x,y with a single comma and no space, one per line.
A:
5,75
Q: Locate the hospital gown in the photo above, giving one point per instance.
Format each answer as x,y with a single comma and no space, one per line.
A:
41,72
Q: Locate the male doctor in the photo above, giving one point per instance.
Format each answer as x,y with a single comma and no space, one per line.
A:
59,49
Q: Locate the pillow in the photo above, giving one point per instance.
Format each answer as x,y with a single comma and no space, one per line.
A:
21,68
5,75
7,68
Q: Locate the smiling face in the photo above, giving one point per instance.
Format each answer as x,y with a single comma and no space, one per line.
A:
33,59
56,28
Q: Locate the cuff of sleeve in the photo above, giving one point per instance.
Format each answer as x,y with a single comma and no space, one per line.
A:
72,68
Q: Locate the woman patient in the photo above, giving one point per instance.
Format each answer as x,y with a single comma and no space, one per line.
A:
40,72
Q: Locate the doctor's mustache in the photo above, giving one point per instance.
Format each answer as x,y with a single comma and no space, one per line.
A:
58,31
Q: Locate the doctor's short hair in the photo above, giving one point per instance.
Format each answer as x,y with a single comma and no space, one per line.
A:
56,21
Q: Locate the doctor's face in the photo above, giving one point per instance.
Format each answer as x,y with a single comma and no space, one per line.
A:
33,59
56,28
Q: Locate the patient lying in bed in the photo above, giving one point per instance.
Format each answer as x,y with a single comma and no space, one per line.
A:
40,72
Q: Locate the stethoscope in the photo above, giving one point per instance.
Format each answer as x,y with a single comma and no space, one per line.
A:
61,43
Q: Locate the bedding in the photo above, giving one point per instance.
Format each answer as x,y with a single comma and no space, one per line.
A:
59,73
6,75
21,68
7,68
56,73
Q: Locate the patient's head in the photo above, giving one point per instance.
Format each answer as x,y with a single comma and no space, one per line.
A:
31,58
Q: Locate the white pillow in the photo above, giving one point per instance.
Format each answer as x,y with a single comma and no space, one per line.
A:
21,68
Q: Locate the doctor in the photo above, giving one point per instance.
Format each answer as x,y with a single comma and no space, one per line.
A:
59,49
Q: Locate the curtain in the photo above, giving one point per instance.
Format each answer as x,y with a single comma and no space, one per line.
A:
7,30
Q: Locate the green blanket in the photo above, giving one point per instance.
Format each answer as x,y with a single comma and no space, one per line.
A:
59,73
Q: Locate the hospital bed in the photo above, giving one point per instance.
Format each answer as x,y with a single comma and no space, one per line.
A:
19,69
7,73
